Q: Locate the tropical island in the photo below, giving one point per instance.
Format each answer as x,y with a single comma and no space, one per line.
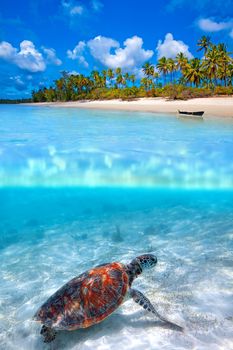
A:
179,78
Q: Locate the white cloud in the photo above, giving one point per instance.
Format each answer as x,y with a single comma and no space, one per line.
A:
73,72
18,82
100,47
71,8
7,50
209,25
27,57
96,5
51,56
79,48
171,47
129,57
77,53
76,10
82,61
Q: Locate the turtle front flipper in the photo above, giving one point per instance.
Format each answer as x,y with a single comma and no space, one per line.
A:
139,298
48,333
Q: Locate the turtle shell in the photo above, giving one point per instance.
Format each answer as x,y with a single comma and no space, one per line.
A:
87,299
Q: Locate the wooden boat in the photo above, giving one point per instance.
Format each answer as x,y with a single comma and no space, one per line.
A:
198,114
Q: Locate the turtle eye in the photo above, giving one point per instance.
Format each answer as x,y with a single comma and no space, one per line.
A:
153,261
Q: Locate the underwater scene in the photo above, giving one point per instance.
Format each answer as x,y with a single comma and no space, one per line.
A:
79,188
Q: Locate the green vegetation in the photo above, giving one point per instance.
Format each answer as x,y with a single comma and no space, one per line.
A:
20,100
178,78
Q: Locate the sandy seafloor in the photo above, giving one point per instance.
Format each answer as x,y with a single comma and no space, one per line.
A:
191,234
50,234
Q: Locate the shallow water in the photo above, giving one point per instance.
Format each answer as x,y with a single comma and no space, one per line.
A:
71,147
133,185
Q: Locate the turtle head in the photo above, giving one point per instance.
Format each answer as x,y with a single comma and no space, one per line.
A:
146,261
141,263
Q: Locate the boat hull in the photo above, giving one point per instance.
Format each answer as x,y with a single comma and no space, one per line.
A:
195,114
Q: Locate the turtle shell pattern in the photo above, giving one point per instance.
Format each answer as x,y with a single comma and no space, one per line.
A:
87,299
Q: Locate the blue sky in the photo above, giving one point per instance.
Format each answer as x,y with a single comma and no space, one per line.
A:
40,38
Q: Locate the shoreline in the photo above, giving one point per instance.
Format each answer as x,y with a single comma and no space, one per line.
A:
213,106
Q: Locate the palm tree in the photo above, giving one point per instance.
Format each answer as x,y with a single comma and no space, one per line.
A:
119,78
145,83
204,43
79,83
82,82
98,81
230,74
63,87
110,75
211,63
171,67
163,67
224,61
132,78
156,77
126,77
104,78
59,87
181,61
181,64
193,72
118,70
148,69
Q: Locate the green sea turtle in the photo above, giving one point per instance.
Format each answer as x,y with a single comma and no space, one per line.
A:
95,294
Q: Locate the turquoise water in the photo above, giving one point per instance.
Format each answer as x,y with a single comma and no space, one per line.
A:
79,188
71,147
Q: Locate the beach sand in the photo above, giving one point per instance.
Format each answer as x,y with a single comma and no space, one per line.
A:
213,106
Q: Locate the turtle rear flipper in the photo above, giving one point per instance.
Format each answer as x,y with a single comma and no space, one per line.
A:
49,334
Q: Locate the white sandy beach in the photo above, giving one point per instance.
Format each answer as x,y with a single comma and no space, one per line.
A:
213,106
